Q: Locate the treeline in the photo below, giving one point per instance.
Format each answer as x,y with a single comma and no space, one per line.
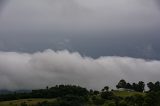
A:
66,95
139,87
70,95
53,92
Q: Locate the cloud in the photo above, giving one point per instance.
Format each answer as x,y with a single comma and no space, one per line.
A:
157,2
80,15
112,27
2,3
48,68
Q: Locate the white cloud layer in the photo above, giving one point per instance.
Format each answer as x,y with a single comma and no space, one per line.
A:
26,71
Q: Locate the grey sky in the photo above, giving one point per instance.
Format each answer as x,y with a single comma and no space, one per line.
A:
91,27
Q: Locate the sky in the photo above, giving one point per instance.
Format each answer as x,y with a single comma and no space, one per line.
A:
86,42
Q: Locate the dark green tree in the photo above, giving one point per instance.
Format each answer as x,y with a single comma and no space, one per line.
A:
150,85
141,86
105,89
128,86
122,84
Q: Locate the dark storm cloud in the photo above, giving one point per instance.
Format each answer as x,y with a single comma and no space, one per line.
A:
37,70
2,3
158,2
91,27
76,15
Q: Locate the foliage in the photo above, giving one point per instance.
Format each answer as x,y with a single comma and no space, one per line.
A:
154,86
70,95
139,87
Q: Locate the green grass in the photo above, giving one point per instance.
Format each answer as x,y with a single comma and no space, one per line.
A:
127,93
28,101
35,101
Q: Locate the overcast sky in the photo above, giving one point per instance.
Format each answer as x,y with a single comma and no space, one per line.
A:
112,35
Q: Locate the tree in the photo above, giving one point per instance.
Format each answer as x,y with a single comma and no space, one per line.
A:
121,84
106,88
135,100
134,86
150,85
152,99
141,86
122,103
138,87
47,87
154,87
97,100
138,99
107,95
157,86
71,100
128,86
95,92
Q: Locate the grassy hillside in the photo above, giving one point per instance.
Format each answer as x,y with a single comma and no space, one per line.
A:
126,93
27,101
35,101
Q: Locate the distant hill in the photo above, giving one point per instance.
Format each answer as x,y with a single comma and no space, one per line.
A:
4,91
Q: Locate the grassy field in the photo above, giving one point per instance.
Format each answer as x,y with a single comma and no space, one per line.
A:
28,101
126,93
35,101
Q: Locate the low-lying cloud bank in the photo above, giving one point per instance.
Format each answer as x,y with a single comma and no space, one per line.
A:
26,71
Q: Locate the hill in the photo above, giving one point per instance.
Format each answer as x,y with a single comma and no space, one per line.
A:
33,101
27,101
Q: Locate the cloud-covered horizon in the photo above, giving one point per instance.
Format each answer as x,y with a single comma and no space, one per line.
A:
48,68
108,40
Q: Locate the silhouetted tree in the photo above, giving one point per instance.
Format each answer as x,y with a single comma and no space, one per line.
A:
150,85
128,86
141,86
121,84
105,89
